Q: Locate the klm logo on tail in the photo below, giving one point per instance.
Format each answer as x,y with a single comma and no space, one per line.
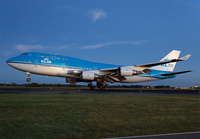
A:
167,65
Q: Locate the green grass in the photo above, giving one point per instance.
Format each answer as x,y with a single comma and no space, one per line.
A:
96,116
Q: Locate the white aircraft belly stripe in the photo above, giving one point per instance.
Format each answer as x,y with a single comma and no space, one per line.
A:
42,69
62,72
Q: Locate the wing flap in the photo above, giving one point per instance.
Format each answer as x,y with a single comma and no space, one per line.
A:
113,78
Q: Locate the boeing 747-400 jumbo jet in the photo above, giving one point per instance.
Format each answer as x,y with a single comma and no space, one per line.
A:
78,70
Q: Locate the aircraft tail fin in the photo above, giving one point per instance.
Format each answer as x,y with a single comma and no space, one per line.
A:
174,54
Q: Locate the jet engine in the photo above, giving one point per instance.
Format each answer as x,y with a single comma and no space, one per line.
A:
125,71
86,75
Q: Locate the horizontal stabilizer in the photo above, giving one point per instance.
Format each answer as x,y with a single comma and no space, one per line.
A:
185,57
174,73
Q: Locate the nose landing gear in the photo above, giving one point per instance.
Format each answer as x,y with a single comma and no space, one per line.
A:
28,79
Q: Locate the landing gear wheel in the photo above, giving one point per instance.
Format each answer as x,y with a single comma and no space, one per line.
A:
98,84
101,85
91,86
28,80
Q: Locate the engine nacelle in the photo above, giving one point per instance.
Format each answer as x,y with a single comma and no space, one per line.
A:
86,75
125,71
71,80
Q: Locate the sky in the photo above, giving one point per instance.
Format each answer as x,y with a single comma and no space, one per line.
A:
124,32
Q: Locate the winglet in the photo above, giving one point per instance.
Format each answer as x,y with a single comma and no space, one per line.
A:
185,57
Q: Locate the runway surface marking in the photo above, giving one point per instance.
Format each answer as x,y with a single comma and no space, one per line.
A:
98,92
184,135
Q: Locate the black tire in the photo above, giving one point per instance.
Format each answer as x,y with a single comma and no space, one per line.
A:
28,80
101,87
98,85
91,87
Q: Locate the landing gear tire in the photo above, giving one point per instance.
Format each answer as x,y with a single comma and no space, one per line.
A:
28,79
91,86
98,84
101,85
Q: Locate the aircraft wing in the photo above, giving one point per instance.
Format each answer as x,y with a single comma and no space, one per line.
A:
119,73
145,67
163,62
109,70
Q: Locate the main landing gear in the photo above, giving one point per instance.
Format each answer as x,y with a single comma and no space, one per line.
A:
101,84
91,86
28,79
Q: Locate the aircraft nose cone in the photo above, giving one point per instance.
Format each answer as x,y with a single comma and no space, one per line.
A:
9,61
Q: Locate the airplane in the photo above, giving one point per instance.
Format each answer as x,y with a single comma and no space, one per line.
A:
78,70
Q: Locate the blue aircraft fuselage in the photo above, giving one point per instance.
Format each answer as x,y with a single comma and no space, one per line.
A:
67,63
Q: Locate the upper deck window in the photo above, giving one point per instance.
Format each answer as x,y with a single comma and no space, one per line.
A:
24,54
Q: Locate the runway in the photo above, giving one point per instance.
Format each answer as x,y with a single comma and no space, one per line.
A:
184,135
82,91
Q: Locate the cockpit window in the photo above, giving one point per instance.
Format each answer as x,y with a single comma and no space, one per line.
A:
24,54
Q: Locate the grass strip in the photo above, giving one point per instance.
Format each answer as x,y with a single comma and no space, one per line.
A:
96,116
